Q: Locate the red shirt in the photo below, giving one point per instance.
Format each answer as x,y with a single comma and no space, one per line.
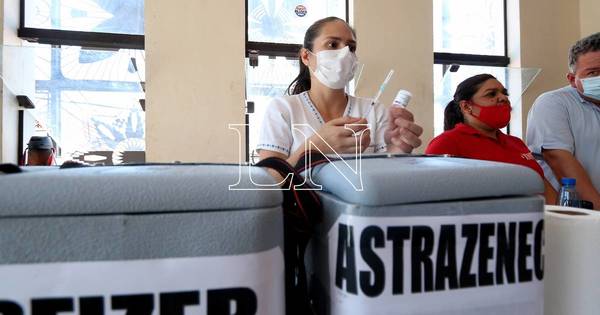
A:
465,141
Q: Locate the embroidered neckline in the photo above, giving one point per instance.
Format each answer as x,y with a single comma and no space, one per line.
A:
308,102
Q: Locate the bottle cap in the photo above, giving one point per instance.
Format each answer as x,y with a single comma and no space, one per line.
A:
586,204
402,98
568,181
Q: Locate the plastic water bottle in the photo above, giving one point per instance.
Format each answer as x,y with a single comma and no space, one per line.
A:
402,98
568,195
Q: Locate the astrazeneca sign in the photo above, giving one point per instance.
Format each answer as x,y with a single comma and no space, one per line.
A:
471,264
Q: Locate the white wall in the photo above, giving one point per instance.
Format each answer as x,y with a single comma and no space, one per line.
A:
398,34
589,12
548,29
195,79
10,70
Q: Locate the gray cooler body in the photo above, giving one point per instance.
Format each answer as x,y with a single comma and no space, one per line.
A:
167,237
428,235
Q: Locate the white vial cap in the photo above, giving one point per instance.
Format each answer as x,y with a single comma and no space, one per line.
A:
402,98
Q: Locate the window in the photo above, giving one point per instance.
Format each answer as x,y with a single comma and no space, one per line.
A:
468,33
270,79
89,101
286,21
89,92
469,27
275,31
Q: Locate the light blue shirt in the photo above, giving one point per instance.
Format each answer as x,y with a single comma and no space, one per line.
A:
562,119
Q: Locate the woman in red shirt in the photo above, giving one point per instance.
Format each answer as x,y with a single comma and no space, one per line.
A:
472,123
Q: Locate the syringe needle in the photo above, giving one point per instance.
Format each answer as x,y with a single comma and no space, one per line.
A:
380,91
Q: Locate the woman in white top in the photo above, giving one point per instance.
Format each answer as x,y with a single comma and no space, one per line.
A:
317,108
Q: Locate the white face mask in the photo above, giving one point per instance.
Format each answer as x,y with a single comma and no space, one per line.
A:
591,87
335,68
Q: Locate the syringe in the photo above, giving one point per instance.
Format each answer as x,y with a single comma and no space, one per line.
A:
381,89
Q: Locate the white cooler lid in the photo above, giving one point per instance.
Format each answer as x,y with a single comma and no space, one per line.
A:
418,179
133,189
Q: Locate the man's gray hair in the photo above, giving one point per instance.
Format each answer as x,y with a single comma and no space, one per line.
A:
583,46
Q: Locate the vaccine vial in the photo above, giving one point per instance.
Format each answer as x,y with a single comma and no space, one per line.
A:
402,98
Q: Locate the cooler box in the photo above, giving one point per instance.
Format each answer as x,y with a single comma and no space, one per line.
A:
428,235
162,239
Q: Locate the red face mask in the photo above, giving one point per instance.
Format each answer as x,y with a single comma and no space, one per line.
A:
497,116
49,161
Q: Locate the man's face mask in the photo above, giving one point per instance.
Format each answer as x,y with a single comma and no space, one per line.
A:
496,117
335,68
591,87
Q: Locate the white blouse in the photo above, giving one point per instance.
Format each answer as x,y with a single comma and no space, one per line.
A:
277,134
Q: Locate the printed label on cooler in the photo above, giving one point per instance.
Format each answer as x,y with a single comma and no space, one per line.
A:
471,264
238,284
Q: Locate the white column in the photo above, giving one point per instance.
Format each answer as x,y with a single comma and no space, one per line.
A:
398,34
195,79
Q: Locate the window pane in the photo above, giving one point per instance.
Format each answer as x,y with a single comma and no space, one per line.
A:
282,21
88,101
270,79
469,26
106,16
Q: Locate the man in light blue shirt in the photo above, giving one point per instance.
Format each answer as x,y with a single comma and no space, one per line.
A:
564,125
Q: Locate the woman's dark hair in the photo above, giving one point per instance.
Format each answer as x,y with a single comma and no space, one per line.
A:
302,82
464,92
